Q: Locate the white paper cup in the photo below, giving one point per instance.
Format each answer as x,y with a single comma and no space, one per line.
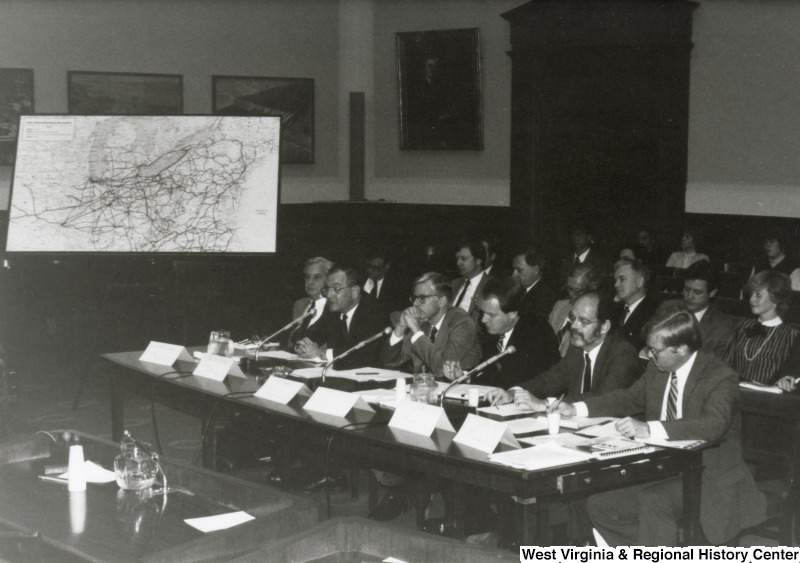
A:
473,396
553,422
400,390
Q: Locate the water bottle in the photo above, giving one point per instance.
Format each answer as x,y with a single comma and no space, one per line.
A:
76,470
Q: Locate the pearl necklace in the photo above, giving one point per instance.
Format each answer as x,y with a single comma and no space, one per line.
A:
753,357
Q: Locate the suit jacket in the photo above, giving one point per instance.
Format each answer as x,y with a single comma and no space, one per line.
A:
594,259
558,315
537,350
632,329
716,329
539,300
617,366
458,283
368,319
394,293
301,330
710,408
456,340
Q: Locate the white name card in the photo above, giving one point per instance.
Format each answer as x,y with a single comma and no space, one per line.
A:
335,403
419,418
164,354
218,367
282,390
484,434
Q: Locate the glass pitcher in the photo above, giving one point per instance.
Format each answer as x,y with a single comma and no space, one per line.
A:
134,468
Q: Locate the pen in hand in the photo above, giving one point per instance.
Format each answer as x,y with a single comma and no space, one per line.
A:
554,406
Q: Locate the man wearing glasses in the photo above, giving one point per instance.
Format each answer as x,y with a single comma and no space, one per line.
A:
351,318
597,361
432,332
684,394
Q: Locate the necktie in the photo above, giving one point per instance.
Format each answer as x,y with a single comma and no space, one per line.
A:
500,348
587,373
672,402
462,293
627,313
434,331
343,326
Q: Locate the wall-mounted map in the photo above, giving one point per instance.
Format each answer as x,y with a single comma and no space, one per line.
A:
145,184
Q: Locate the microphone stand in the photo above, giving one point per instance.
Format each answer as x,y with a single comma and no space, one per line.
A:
358,346
476,370
297,321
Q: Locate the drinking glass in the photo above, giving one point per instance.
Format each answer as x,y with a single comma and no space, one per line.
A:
220,343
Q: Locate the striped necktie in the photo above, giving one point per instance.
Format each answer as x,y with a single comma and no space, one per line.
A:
500,348
672,402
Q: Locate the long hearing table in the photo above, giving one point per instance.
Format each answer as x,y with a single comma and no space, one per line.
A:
522,495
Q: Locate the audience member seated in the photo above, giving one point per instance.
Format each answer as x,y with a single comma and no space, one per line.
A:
627,252
314,273
383,284
708,409
494,267
431,331
353,317
470,260
688,254
761,347
699,286
534,340
635,302
775,257
649,251
528,268
581,279
583,252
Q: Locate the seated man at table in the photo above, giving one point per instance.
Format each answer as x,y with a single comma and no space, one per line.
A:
684,394
432,332
314,274
352,318
501,303
636,300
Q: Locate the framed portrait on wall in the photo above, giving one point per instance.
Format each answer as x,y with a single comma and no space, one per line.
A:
124,93
291,99
439,90
16,98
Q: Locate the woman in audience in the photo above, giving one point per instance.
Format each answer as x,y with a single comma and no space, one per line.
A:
761,349
688,254
775,257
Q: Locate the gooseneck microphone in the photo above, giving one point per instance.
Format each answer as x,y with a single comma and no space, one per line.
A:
359,346
310,313
477,370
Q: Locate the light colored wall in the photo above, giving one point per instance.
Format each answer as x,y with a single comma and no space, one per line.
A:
744,126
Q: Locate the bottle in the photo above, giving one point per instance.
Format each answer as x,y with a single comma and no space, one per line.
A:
76,470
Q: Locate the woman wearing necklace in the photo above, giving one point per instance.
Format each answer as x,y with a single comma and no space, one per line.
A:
761,347
688,254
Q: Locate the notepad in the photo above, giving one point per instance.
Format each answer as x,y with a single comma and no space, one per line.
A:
677,444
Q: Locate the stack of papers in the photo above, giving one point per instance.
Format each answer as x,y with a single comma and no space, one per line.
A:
549,454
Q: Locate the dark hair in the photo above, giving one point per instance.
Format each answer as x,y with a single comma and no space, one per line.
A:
777,284
777,238
532,257
378,252
508,292
678,325
441,284
588,273
637,266
476,248
696,235
704,271
353,276
606,311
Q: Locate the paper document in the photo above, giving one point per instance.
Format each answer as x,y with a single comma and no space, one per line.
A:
360,374
543,456
679,444
220,521
509,409
754,386
563,439
94,473
605,429
527,425
376,396
577,422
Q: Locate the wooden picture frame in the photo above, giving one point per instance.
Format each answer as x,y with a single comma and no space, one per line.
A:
124,93
292,99
439,90
16,98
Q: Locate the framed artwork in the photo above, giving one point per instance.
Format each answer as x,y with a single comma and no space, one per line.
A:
124,93
16,98
439,96
291,99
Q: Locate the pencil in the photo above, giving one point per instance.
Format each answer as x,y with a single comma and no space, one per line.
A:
554,406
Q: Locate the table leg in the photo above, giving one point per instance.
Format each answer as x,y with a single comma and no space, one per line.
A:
692,479
530,521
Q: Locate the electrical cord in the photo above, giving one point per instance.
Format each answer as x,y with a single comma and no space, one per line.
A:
211,418
181,374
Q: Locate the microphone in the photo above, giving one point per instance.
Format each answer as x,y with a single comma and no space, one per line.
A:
480,367
310,313
359,346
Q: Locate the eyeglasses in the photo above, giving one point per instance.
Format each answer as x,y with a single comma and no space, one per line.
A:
337,290
422,299
653,353
580,321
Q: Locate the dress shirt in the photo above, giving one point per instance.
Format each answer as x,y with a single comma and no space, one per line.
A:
582,256
506,338
319,308
632,308
348,317
593,353
369,284
699,314
466,300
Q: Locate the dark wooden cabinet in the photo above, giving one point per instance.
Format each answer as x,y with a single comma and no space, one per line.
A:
600,102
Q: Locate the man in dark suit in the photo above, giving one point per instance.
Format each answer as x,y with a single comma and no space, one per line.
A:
353,317
383,283
315,272
597,362
528,268
470,260
431,332
699,286
684,394
534,340
636,304
583,252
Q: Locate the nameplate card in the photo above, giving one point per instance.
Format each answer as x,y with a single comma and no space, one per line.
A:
218,367
164,354
280,390
419,418
484,434
335,403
